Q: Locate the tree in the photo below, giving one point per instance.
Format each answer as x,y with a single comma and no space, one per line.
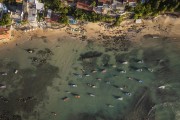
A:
6,20
119,19
93,4
64,20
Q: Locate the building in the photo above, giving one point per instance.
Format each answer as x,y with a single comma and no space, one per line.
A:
39,6
119,5
84,6
106,1
131,3
19,1
3,9
34,7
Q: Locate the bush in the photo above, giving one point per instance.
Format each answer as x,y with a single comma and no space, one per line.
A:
64,20
6,20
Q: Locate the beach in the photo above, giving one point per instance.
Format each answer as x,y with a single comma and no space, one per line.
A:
93,72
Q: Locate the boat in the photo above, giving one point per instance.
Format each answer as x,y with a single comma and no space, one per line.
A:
3,73
104,71
15,71
130,78
87,75
151,70
125,62
128,94
162,87
123,71
90,94
139,70
120,98
140,61
94,71
65,98
72,85
109,105
2,86
98,79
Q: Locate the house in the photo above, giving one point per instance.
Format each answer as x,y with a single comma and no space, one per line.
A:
3,9
84,6
33,7
49,13
106,1
5,33
131,3
70,3
39,6
19,1
119,5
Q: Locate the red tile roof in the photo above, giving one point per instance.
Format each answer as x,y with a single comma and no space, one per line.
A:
84,6
105,1
131,0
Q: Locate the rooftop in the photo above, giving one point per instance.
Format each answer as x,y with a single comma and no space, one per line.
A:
84,6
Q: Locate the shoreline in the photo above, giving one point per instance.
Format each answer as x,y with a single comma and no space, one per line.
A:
97,32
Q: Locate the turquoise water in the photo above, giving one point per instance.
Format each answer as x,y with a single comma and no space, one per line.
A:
37,91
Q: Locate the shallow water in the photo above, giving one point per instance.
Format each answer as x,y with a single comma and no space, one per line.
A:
36,91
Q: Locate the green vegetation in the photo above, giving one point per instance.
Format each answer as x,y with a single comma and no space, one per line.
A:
91,16
118,21
40,16
155,7
55,5
23,22
6,20
63,19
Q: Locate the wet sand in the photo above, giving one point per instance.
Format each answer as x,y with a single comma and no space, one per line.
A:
39,89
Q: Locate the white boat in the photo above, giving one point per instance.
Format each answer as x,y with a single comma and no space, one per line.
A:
123,71
139,70
87,75
73,85
151,70
125,62
162,87
92,95
109,105
2,86
140,61
120,98
16,71
4,73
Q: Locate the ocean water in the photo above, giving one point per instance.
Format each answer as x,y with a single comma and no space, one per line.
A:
42,89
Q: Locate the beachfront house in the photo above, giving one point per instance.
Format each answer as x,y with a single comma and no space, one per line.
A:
3,9
33,7
39,6
102,6
19,1
84,6
131,3
119,6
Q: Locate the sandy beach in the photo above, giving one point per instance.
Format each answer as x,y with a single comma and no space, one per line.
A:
91,71
162,25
